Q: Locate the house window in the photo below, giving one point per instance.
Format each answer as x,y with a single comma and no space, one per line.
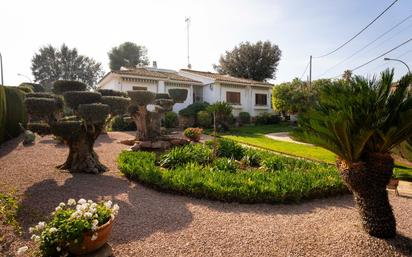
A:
139,88
261,99
233,97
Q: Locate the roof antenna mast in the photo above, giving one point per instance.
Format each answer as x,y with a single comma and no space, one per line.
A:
187,20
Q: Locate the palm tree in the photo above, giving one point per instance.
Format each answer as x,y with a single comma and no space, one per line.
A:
361,120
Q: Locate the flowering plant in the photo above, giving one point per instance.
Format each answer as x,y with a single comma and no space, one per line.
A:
193,134
69,222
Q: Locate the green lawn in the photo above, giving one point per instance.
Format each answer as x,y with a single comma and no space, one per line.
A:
255,136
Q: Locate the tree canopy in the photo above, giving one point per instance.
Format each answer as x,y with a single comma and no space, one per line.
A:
257,61
127,55
51,64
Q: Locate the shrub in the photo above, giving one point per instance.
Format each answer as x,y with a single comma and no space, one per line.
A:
3,113
193,134
122,123
267,119
179,156
251,186
62,86
75,98
224,165
251,157
178,95
170,120
192,110
34,87
111,92
274,163
25,89
204,119
244,117
223,112
15,111
141,97
229,149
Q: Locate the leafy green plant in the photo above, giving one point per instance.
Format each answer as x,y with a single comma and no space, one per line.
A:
8,210
180,156
251,157
221,113
224,165
170,120
267,119
361,121
204,119
229,149
273,163
122,123
193,134
69,222
244,117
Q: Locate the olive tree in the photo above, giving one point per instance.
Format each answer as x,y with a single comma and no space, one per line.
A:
79,131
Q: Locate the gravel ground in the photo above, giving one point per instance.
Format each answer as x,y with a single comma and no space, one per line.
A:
158,224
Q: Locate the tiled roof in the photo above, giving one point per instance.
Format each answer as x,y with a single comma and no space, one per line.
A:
227,78
164,75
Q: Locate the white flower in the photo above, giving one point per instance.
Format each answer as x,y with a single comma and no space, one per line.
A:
36,239
41,225
94,224
92,210
115,207
88,215
81,207
81,201
22,250
94,237
93,205
89,201
58,249
71,202
76,215
52,230
32,237
108,204
62,204
31,230
58,208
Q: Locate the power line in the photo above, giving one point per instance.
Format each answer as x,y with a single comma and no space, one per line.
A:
374,59
396,57
307,66
357,34
363,48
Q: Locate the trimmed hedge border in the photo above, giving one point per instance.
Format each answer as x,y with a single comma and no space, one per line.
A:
246,186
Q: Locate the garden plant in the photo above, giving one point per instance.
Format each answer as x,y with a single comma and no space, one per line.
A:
361,121
78,131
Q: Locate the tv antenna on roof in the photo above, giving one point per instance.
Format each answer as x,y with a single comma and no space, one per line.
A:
187,20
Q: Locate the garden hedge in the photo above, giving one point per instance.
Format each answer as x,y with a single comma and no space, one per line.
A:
15,112
193,172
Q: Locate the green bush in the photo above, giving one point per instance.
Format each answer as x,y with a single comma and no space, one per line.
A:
193,134
204,119
251,157
250,186
224,165
111,92
244,118
223,111
229,149
75,98
3,113
123,123
179,156
141,97
178,95
25,89
267,119
34,87
171,120
118,104
15,111
192,109
274,163
94,113
62,86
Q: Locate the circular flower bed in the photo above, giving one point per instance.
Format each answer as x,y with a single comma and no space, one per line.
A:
237,174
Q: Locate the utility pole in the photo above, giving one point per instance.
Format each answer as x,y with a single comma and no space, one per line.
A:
1,69
310,71
187,20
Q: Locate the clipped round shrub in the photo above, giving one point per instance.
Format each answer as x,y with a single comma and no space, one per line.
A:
35,87
244,117
39,128
94,113
75,98
162,96
25,89
171,120
193,134
166,104
41,106
141,97
111,92
178,95
267,119
63,86
123,123
204,119
68,130
192,109
118,105
40,95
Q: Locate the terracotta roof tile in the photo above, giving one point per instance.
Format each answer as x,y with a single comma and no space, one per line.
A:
143,72
227,78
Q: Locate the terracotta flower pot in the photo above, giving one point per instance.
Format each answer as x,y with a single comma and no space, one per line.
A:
88,245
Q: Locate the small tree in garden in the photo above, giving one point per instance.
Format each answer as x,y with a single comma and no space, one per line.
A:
148,123
117,101
221,112
79,131
361,121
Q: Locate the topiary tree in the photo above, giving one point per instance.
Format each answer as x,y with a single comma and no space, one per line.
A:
149,123
117,101
361,121
79,131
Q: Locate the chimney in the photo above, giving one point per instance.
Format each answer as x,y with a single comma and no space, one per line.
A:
154,64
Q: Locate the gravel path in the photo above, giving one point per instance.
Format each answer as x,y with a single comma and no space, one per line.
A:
283,136
158,224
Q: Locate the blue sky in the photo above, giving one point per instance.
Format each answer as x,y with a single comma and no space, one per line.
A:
300,28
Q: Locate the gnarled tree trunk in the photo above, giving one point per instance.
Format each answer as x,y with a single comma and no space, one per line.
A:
82,157
368,180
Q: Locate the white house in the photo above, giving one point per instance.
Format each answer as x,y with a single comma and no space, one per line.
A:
243,94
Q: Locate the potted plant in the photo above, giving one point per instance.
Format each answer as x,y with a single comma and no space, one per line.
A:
193,134
75,227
